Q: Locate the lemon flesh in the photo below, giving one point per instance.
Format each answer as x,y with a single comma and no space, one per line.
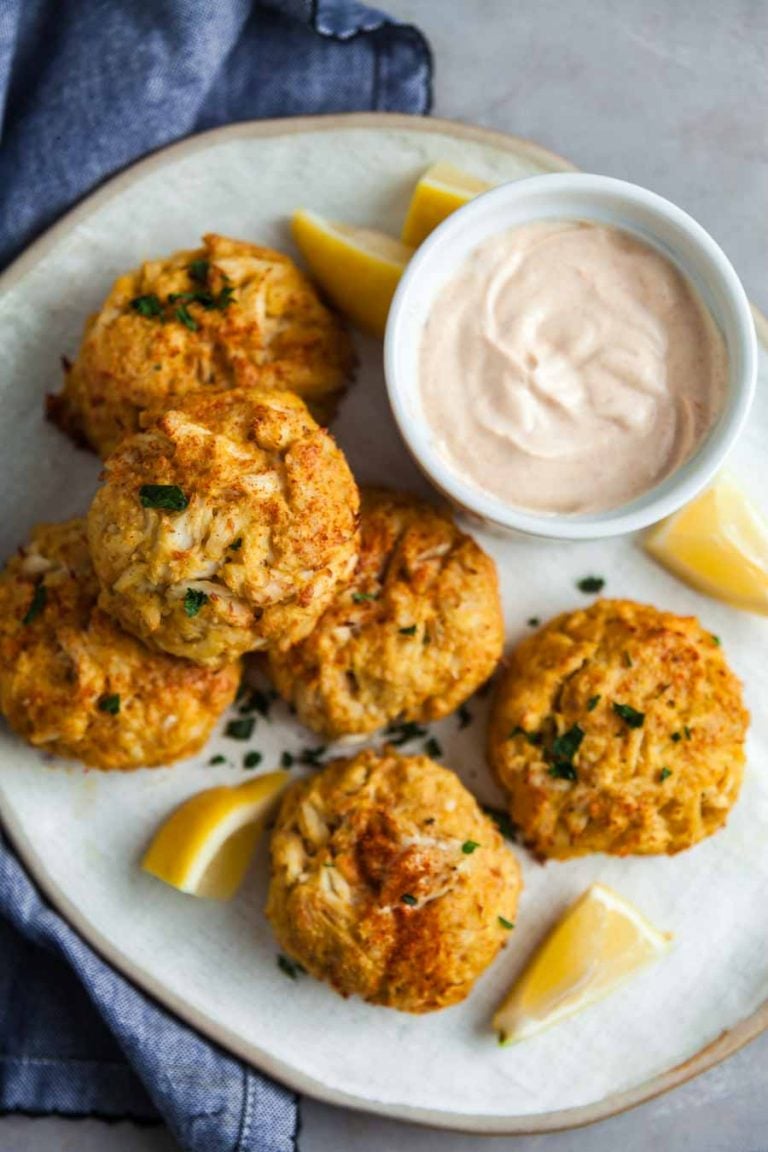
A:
600,942
205,846
441,190
358,268
719,544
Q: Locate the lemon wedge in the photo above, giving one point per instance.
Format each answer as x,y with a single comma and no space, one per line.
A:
441,190
205,846
358,268
599,943
719,544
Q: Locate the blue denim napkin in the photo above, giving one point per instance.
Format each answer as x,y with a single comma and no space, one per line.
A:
87,86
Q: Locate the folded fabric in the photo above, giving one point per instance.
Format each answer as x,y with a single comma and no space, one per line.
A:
85,89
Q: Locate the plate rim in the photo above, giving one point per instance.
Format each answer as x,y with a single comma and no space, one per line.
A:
726,1044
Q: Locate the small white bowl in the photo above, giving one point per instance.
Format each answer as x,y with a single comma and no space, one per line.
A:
561,197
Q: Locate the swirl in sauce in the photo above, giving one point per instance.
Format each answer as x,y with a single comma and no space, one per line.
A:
568,367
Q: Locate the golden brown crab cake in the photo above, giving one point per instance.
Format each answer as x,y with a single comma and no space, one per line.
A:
75,684
225,527
388,881
618,728
227,315
415,633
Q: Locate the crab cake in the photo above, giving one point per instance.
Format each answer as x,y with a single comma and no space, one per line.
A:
389,882
74,683
225,527
618,729
416,632
229,314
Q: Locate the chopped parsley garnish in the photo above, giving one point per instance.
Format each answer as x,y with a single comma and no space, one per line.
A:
676,737
533,738
214,760
508,924
688,733
166,497
716,640
593,702
404,733
109,702
37,603
241,729
364,597
252,759
287,760
631,717
312,756
290,968
533,621
198,271
465,716
236,545
627,660
502,820
433,749
406,898
590,584
562,752
469,846
148,306
409,631
665,772
254,700
194,600
186,318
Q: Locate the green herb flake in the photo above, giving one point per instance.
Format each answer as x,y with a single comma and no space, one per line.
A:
147,306
252,759
409,631
408,899
533,738
236,545
631,717
676,737
109,702
469,846
36,604
464,716
716,640
688,732
590,584
627,660
593,702
312,757
502,820
254,700
404,733
432,748
241,729
533,621
562,752
215,760
664,774
364,597
194,600
287,760
163,497
198,271
185,317
289,968
508,924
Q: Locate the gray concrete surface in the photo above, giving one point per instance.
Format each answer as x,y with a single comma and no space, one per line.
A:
671,94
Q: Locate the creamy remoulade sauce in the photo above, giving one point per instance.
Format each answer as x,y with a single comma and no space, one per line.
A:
568,367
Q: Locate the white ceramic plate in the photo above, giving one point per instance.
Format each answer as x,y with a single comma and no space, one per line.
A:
81,833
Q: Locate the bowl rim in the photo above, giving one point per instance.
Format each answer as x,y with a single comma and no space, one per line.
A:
674,490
